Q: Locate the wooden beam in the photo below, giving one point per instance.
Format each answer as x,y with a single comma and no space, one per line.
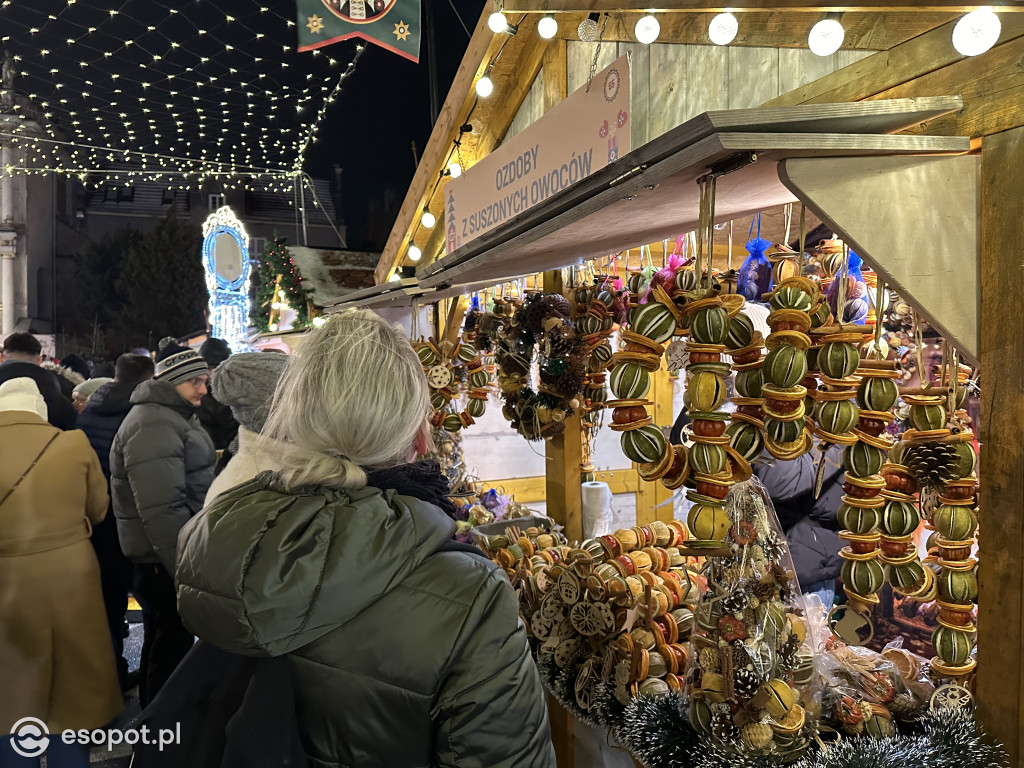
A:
565,457
991,85
744,6
930,52
453,322
772,29
452,115
1000,694
556,77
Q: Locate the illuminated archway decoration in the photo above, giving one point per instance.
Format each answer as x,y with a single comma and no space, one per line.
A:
226,260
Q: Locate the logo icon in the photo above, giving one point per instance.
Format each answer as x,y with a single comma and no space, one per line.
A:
29,737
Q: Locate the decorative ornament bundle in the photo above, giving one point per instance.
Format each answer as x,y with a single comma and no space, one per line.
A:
752,684
541,330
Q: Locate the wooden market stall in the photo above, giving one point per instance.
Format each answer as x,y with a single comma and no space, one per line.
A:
925,189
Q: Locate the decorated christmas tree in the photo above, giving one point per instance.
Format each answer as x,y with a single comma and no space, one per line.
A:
280,283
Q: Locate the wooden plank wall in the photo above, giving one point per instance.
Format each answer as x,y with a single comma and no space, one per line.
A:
673,83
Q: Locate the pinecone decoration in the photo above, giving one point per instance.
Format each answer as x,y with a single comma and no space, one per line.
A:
764,590
560,340
736,601
745,682
722,725
756,736
772,548
932,464
555,302
532,314
904,706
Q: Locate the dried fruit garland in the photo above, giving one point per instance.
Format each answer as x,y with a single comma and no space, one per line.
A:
449,367
541,328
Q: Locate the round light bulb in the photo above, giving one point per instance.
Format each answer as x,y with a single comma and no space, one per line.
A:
484,87
497,23
455,169
976,32
428,220
396,278
723,29
588,30
319,321
647,30
547,27
414,253
826,37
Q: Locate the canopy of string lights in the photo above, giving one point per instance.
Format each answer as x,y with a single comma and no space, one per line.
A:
177,90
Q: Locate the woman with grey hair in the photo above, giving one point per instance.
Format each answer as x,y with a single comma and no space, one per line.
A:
341,560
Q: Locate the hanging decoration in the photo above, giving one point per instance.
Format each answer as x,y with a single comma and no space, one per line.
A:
454,367
540,329
392,24
226,262
280,289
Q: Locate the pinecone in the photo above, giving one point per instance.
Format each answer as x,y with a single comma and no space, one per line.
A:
745,682
904,706
736,601
764,590
722,725
532,314
557,303
932,464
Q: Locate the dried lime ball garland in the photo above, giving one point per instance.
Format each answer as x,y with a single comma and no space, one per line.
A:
448,368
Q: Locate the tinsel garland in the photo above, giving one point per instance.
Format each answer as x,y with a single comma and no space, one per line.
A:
658,734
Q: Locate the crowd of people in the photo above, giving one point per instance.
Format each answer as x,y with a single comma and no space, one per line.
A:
273,506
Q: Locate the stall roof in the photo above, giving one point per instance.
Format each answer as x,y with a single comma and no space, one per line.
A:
651,194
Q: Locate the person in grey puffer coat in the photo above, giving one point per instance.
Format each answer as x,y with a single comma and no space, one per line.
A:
161,466
403,653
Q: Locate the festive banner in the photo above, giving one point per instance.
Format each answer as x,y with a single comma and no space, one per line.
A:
579,136
391,24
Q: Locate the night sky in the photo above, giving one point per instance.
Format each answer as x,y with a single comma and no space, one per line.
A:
219,81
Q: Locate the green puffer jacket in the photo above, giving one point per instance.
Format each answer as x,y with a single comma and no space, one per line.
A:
402,656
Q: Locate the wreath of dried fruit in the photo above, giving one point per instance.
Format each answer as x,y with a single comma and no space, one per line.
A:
541,329
451,368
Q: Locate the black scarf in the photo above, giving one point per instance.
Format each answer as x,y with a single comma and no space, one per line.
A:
422,480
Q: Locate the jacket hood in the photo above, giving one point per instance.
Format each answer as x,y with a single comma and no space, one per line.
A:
162,393
112,399
265,571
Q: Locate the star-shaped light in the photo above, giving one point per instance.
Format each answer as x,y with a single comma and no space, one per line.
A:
315,24
402,30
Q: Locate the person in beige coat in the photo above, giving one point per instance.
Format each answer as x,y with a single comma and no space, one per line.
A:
56,660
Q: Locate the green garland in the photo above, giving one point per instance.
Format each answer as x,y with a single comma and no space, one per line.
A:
277,261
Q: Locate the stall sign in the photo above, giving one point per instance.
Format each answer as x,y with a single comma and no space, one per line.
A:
581,135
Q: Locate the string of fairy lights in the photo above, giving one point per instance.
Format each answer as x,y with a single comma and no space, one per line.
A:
177,91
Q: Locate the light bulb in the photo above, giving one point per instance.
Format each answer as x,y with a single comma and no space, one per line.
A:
484,87
826,37
414,253
588,30
428,220
976,32
319,321
455,170
496,21
547,27
647,30
723,29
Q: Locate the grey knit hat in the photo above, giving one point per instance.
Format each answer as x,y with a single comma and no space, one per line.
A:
246,382
181,366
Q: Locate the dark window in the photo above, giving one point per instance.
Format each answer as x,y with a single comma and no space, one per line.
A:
168,198
125,194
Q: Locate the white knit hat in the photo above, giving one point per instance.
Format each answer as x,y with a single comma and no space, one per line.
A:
22,394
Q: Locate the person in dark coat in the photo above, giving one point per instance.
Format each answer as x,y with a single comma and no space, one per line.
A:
161,466
100,421
21,357
809,523
216,417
